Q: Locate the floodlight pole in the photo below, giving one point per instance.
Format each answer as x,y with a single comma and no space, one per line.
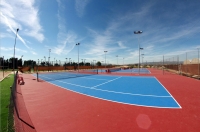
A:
138,32
69,61
21,57
102,62
198,64
49,55
14,52
105,58
117,59
84,62
45,60
163,65
94,62
3,65
142,58
66,61
78,55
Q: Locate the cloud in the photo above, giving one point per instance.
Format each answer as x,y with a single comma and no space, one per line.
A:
34,53
121,45
23,15
66,39
80,7
12,49
11,28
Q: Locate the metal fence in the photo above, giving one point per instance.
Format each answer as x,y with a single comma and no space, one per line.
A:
187,64
18,117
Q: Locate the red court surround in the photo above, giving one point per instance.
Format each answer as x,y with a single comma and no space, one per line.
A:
54,109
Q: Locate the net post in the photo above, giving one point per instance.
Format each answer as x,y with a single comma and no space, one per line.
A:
37,77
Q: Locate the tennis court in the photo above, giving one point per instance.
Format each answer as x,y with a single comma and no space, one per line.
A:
131,70
135,71
136,90
108,102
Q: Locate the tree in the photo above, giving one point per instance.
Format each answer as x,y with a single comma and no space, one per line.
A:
98,63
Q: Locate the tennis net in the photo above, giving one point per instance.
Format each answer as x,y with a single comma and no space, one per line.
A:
51,76
114,69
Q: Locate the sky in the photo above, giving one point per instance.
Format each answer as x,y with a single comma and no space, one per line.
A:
169,28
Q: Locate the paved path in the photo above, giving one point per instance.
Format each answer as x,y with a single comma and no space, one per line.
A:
5,74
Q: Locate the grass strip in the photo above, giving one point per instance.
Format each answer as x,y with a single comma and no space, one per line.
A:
5,101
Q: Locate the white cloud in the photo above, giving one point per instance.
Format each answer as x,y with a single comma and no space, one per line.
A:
121,45
80,7
23,15
65,39
12,49
34,53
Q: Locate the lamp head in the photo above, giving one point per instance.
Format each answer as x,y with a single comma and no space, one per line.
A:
138,32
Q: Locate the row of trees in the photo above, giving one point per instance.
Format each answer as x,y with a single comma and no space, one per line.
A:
15,62
8,63
68,64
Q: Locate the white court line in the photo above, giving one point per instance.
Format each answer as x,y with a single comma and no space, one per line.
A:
113,100
107,82
168,92
93,88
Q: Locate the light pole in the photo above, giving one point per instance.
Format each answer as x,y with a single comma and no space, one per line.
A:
78,55
84,61
123,61
138,32
142,58
3,66
94,62
38,61
21,58
44,60
105,57
66,61
117,59
49,61
102,62
49,55
198,63
69,61
14,51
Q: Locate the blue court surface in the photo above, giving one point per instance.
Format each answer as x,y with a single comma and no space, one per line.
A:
135,90
133,70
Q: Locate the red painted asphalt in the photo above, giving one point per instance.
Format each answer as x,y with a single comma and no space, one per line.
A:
54,109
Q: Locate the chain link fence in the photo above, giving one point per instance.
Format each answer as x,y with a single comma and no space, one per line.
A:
187,64
18,117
